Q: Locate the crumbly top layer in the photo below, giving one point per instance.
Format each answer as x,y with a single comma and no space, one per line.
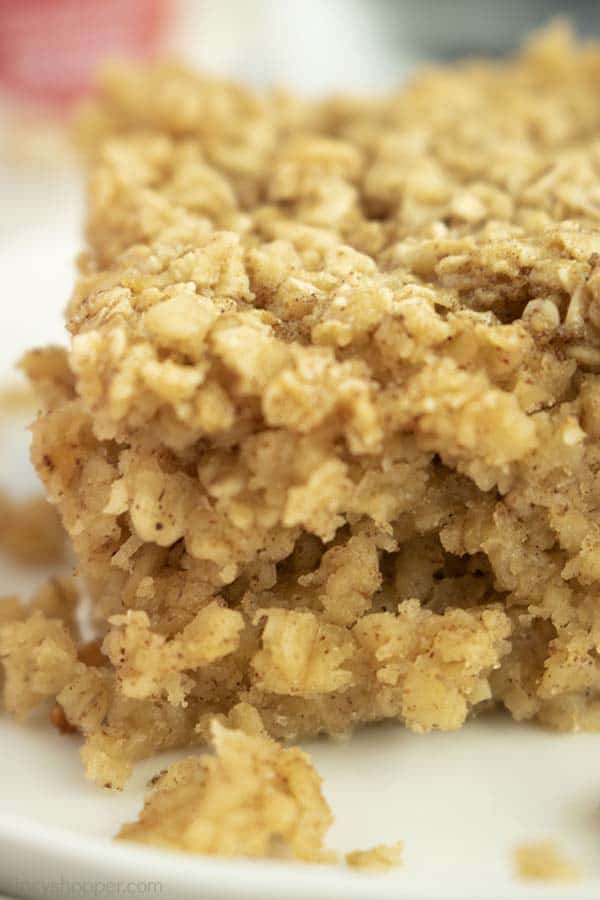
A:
350,269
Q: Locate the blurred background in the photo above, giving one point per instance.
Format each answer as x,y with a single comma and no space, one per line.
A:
49,50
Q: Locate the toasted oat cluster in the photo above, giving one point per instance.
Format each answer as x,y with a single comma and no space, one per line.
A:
38,645
327,435
252,798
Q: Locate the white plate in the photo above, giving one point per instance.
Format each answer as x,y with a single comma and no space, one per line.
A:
459,801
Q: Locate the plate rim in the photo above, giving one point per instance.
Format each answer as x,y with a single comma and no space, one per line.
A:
85,857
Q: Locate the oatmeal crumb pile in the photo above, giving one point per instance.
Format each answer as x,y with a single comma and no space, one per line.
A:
252,798
327,434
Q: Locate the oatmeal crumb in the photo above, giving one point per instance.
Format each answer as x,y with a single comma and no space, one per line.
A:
381,857
253,798
544,861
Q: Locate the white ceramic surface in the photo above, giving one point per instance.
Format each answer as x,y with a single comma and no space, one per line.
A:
459,801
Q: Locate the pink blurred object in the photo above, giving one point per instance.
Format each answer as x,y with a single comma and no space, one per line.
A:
49,49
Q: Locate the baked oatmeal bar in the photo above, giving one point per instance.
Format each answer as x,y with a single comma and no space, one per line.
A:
327,434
